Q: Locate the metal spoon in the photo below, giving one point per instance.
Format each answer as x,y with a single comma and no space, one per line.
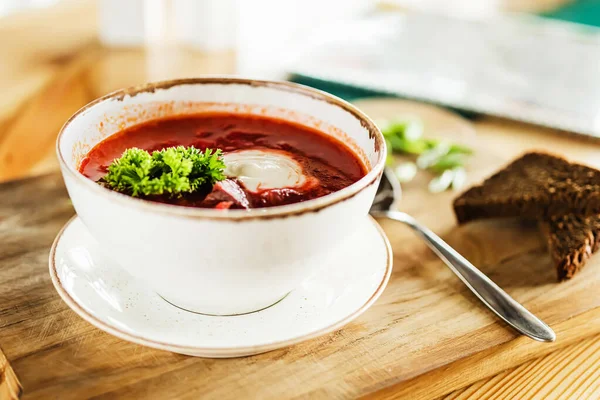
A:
488,292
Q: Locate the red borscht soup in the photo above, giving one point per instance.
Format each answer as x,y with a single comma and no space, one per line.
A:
268,161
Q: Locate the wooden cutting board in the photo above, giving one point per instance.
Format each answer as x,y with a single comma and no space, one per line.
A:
426,336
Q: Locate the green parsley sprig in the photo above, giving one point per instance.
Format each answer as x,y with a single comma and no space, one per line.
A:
446,160
173,171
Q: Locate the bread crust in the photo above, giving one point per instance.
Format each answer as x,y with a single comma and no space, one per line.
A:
571,240
563,196
536,185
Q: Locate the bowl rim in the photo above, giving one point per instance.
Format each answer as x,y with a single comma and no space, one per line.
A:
313,205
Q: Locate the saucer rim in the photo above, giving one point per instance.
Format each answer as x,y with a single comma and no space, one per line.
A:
213,351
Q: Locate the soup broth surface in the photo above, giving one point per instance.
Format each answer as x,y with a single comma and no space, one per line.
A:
323,163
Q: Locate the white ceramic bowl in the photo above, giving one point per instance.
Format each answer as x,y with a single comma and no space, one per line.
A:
219,261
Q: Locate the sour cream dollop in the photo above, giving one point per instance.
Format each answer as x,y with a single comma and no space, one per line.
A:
264,169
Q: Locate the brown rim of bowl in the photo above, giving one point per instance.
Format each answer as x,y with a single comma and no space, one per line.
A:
216,351
313,205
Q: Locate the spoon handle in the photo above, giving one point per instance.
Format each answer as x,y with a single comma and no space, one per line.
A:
491,294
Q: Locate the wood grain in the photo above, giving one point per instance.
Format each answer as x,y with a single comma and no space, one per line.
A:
10,387
496,138
425,338
418,340
569,373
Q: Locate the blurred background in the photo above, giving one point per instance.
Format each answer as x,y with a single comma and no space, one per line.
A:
535,61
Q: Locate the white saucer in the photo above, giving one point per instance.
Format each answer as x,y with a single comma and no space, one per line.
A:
105,295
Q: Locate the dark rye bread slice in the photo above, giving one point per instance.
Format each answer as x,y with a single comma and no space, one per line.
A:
571,239
535,186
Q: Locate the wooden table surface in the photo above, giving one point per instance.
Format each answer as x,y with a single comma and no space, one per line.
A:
46,74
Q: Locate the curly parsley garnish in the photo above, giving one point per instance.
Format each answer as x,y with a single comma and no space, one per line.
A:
173,171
